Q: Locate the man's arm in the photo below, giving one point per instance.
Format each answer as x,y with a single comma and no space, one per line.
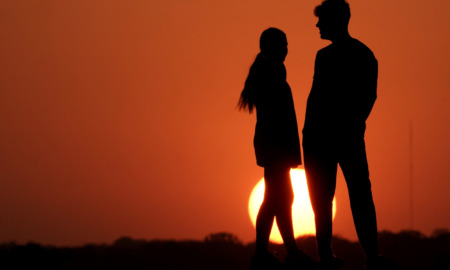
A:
371,87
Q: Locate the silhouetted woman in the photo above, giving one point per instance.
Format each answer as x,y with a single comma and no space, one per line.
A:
277,146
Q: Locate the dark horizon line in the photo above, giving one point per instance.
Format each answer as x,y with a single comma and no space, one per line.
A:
218,237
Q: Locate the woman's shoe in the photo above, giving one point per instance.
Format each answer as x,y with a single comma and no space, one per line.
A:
331,262
265,261
380,263
300,260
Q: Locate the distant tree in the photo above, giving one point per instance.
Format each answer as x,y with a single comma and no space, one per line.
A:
128,242
440,232
412,234
223,237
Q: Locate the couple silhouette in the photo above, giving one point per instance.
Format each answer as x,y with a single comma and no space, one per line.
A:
341,99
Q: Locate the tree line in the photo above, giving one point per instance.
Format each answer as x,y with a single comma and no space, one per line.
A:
411,250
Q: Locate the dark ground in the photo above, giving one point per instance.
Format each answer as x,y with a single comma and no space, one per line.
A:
411,250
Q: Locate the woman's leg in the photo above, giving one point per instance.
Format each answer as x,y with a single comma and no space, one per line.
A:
266,215
278,200
264,222
281,196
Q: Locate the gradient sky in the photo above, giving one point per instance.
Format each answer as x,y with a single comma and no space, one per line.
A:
118,118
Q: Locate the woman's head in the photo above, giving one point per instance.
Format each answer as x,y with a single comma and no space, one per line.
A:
273,44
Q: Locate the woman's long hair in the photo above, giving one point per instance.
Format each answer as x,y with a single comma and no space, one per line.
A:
248,94
269,44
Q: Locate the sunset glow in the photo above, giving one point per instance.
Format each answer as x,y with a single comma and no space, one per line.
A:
119,118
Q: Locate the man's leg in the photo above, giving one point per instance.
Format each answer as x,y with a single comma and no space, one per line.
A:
353,162
321,168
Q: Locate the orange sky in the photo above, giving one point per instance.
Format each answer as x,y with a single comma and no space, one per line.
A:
119,117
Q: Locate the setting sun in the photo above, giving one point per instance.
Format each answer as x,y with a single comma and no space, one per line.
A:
302,214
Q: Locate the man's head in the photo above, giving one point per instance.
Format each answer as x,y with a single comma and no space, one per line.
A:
334,16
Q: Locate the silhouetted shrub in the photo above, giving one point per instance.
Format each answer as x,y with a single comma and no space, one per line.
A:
222,237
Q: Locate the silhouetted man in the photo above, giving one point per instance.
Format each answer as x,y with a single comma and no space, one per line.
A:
340,101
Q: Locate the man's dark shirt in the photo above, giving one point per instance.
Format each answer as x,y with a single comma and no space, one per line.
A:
343,91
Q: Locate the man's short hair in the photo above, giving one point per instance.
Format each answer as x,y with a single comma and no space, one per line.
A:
337,10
